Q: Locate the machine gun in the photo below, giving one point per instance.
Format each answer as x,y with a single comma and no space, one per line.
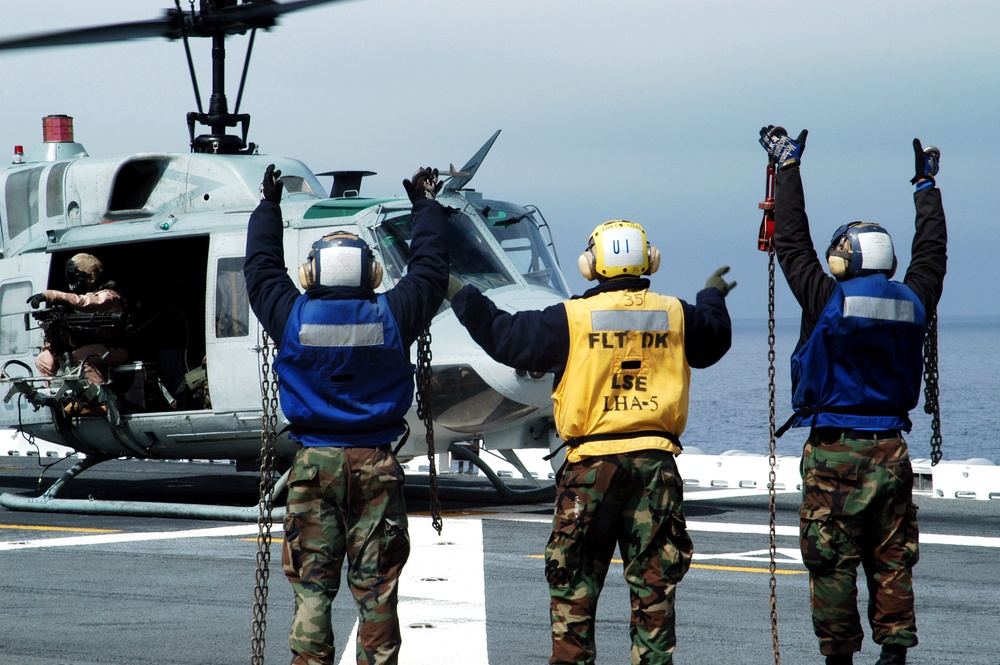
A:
66,328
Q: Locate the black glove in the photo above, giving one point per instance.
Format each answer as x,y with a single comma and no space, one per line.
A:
36,300
424,185
717,282
270,188
925,162
782,150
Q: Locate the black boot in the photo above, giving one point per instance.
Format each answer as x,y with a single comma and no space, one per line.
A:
840,659
892,655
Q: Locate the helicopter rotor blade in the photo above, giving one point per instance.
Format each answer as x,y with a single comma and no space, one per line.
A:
236,19
95,35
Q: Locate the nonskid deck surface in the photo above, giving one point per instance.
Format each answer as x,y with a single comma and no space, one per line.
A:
94,589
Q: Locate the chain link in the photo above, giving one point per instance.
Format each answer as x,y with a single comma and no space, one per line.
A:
931,392
772,459
425,413
268,436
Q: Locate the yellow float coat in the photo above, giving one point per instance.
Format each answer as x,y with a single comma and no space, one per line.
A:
627,372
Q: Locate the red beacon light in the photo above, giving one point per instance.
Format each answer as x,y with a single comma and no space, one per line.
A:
18,155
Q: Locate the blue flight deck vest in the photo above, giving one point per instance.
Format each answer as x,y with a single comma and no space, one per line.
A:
345,376
861,367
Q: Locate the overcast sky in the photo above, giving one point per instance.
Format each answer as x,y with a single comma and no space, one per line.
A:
642,110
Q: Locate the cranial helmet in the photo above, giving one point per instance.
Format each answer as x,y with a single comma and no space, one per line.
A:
83,271
340,259
618,248
860,249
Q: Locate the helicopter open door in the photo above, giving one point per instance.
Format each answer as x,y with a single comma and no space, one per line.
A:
232,333
20,277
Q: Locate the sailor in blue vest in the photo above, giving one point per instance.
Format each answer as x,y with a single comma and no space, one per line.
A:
856,375
346,382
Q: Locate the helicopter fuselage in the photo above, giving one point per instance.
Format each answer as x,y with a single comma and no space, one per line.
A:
170,230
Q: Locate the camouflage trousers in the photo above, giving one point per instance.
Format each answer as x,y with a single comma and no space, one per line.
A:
857,508
634,500
345,502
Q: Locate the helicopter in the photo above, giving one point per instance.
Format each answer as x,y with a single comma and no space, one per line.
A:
170,229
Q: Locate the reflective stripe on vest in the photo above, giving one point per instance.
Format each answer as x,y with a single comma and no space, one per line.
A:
884,309
615,319
337,335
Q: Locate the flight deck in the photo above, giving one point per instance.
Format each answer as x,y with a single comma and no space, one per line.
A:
118,590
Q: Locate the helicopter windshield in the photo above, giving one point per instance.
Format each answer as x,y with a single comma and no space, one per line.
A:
515,228
473,259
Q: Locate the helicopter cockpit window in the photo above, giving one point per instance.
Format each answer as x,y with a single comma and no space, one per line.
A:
232,307
14,338
473,259
517,232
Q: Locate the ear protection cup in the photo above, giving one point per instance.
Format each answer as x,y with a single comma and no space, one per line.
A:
586,264
376,273
306,275
838,266
654,259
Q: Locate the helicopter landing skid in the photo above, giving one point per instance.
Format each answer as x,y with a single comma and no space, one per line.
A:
499,492
47,502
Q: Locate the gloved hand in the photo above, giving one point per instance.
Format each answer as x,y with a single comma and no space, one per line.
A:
925,162
717,282
424,185
783,151
36,300
454,286
270,188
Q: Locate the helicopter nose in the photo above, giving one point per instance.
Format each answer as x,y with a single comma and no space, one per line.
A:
464,402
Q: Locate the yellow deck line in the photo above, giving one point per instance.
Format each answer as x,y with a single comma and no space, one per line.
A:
32,527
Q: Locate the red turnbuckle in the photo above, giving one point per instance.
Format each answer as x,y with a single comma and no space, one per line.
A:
765,238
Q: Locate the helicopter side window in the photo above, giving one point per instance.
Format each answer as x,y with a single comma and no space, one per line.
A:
54,190
13,337
473,259
21,195
232,307
135,183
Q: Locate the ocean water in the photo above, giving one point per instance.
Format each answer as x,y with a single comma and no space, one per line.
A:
729,401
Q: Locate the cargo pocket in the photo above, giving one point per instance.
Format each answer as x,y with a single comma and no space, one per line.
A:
573,515
291,559
679,548
679,553
300,502
394,547
911,546
819,539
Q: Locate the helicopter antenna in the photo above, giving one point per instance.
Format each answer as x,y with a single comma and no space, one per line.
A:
468,171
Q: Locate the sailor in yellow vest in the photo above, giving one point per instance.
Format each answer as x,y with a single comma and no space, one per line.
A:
622,358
